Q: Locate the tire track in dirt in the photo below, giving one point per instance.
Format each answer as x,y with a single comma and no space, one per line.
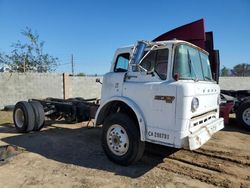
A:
214,163
226,155
202,174
219,169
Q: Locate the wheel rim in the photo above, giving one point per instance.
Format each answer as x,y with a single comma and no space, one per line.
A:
117,140
246,116
19,118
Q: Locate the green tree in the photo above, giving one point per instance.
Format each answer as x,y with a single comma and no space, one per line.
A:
224,71
81,74
29,56
241,69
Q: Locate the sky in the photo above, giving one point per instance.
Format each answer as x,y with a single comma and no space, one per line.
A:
92,30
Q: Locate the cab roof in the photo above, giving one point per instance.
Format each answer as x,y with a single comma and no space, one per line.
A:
164,43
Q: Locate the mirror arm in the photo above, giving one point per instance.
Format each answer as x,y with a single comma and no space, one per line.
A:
98,80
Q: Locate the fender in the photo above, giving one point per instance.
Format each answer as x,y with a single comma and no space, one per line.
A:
133,106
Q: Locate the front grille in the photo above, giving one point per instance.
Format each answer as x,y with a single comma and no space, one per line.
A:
203,118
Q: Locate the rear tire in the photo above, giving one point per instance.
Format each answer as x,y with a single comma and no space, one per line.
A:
23,117
243,115
121,139
39,115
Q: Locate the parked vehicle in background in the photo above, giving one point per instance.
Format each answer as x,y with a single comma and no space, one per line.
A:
238,102
5,68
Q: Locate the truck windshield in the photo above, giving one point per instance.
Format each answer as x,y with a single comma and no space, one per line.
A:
191,64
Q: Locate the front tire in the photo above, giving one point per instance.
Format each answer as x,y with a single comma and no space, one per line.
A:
243,115
121,139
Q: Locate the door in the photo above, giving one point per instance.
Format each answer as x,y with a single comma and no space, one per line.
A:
151,90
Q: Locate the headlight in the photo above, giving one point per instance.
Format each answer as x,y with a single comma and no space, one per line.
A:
194,104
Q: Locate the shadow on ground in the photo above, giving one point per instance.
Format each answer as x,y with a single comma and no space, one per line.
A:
80,146
7,128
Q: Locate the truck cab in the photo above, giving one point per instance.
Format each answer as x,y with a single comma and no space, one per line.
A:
158,92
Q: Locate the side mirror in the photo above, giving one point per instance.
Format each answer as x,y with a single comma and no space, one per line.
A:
138,52
98,80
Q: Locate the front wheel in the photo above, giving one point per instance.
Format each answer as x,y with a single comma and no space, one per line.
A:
243,114
121,139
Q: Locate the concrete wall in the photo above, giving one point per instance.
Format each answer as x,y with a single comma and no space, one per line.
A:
235,83
16,87
85,87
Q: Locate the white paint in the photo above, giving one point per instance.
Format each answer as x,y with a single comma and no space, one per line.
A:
166,123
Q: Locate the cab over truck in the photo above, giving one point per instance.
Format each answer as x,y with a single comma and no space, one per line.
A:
160,92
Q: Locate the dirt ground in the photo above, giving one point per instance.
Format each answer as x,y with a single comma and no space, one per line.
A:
71,156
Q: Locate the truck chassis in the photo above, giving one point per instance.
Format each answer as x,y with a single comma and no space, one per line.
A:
31,115
75,110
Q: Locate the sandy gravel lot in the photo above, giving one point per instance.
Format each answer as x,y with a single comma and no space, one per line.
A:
71,156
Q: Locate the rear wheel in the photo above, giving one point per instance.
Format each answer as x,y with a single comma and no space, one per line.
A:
121,139
39,115
243,114
23,117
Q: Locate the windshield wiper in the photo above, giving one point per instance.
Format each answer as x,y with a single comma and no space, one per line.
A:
207,78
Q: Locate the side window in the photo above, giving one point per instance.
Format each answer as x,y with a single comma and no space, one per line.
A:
157,60
121,64
149,62
161,65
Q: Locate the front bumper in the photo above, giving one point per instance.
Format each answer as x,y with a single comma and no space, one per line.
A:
202,135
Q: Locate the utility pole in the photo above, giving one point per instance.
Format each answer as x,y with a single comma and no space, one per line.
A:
24,64
72,64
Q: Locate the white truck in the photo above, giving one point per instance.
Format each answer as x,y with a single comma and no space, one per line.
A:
163,94
158,92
